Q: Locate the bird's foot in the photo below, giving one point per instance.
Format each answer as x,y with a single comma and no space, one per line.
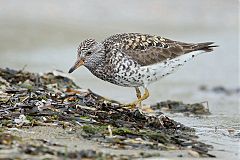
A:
140,107
138,103
134,105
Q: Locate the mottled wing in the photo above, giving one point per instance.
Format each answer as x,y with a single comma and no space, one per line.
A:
147,49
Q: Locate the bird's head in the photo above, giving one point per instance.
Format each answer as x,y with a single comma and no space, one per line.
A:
88,54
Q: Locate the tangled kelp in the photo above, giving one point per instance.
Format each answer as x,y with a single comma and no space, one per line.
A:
180,107
29,99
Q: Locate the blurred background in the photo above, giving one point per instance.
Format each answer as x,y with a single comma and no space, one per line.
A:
43,35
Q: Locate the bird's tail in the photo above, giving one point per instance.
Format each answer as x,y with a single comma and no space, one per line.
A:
206,46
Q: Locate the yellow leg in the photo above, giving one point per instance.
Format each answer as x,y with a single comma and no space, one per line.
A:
140,99
138,93
145,95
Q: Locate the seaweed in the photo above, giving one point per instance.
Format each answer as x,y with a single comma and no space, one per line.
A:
53,99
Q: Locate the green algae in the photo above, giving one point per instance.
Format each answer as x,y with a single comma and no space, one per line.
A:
156,136
94,129
123,131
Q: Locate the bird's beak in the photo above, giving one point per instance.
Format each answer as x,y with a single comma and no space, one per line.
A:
79,63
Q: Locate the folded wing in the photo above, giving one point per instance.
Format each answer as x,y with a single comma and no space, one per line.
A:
148,49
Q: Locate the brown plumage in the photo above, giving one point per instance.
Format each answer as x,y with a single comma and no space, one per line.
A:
147,49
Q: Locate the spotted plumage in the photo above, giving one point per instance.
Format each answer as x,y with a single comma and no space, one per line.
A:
134,59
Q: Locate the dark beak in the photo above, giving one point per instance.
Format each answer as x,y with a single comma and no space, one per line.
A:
76,65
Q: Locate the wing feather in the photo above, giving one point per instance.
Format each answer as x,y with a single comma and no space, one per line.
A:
148,49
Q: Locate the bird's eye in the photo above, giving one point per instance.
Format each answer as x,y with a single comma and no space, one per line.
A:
88,53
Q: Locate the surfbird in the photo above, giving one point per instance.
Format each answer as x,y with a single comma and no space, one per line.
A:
135,59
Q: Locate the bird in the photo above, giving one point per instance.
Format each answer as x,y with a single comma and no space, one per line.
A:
136,59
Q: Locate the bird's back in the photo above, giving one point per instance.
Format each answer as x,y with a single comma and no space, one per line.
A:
148,49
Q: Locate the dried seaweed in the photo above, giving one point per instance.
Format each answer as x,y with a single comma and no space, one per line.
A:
180,107
30,99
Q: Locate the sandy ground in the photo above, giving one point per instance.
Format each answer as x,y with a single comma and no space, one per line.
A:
75,142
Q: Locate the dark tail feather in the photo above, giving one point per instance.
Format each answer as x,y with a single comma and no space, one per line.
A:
206,46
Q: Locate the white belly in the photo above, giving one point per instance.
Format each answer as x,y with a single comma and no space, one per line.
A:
160,70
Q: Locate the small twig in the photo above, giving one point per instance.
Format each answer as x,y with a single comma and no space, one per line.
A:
110,131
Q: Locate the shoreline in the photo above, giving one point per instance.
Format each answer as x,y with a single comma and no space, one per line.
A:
53,105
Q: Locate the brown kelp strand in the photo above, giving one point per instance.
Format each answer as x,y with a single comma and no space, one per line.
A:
53,99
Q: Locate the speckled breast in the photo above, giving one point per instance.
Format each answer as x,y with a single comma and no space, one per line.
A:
125,71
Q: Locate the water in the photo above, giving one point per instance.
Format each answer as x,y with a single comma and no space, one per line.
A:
42,36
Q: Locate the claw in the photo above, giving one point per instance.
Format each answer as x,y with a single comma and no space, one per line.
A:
131,106
134,104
